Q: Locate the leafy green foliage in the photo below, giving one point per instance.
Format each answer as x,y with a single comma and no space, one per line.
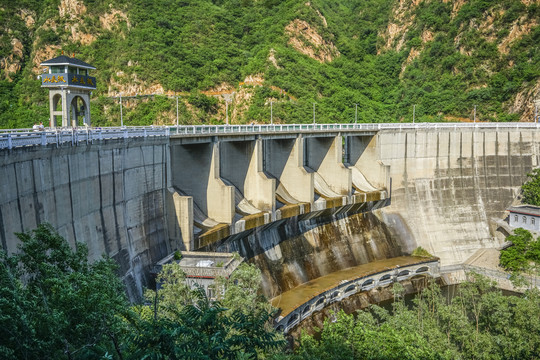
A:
531,189
477,323
420,251
189,46
242,291
203,330
172,296
183,323
522,257
54,303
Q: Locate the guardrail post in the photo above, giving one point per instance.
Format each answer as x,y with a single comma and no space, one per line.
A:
145,132
43,139
9,143
125,134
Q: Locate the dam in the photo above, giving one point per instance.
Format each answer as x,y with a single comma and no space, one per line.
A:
299,201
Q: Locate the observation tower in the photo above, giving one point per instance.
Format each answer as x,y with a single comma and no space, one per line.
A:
70,88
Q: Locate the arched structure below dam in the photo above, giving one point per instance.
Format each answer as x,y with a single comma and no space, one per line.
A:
299,203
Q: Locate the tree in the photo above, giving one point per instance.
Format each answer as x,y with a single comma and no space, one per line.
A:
203,330
179,322
531,189
57,305
523,257
243,290
478,322
173,294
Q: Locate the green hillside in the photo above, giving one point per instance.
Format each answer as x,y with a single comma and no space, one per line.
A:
445,57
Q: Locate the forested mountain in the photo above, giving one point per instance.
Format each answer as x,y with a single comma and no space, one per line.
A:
443,56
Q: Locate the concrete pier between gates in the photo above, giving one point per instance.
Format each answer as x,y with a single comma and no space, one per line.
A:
284,160
242,165
325,156
363,155
198,176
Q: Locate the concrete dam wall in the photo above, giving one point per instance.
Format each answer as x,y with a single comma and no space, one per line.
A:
295,251
110,196
450,186
137,200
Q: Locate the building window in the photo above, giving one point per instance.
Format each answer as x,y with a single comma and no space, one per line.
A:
532,221
516,218
57,69
524,219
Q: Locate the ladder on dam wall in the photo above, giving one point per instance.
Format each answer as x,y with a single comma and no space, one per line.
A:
14,138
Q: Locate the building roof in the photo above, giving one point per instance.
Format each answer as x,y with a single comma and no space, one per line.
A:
525,210
207,265
66,60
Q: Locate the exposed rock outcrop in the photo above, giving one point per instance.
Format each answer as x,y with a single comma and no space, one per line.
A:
304,38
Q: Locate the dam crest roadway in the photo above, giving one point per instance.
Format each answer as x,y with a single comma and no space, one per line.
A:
139,193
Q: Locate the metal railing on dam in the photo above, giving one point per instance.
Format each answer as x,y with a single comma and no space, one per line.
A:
13,138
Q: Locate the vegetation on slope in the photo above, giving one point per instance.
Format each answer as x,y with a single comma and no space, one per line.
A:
55,305
478,323
522,258
384,55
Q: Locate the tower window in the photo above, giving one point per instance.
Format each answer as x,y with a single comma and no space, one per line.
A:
57,69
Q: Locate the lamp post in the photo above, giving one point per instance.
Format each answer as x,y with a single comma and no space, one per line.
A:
313,113
355,113
226,112
413,112
474,116
271,113
177,114
121,114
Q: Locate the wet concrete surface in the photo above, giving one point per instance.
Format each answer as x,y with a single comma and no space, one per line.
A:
292,299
